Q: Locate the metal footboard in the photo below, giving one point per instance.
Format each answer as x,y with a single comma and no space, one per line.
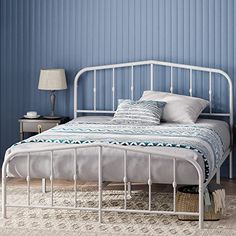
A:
100,208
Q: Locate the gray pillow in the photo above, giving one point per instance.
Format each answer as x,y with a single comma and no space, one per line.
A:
178,108
138,112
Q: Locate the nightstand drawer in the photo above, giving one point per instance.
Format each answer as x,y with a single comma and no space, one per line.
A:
38,127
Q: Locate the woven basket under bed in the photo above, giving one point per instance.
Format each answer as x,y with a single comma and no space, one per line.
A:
188,202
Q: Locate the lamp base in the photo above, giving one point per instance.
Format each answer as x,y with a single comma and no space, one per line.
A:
52,117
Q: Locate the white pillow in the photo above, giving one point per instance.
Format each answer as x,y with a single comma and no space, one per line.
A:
178,108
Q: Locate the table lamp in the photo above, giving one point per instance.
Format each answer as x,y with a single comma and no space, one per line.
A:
52,80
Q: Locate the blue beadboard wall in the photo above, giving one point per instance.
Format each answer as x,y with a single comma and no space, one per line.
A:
73,34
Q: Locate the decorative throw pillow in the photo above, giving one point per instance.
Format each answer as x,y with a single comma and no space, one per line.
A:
138,112
178,108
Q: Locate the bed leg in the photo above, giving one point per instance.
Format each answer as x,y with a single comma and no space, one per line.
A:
231,165
43,185
201,207
100,185
218,176
4,210
129,189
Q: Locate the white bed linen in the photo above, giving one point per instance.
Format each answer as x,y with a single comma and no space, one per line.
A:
113,160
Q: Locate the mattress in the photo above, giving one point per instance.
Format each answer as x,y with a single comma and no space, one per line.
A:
206,139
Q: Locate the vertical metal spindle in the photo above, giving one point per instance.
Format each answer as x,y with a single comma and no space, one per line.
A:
171,79
191,82
113,89
51,177
149,182
210,91
151,76
28,179
125,179
100,184
174,184
75,176
132,83
94,90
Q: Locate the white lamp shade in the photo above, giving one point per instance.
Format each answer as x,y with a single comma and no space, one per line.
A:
52,79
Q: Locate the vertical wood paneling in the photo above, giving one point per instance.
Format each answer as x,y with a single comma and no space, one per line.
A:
76,33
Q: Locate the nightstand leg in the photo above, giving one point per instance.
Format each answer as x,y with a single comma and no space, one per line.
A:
218,176
43,185
129,189
21,131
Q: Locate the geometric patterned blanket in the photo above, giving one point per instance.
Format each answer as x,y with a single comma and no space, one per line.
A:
202,140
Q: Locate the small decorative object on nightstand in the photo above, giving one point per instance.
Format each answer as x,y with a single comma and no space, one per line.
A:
52,80
39,125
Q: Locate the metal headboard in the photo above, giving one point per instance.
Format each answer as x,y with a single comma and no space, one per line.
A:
153,63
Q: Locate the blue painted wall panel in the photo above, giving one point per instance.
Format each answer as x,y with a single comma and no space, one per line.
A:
73,34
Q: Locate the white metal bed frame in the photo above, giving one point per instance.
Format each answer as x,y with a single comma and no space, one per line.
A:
101,146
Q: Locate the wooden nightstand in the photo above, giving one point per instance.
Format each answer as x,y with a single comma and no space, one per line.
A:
39,125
